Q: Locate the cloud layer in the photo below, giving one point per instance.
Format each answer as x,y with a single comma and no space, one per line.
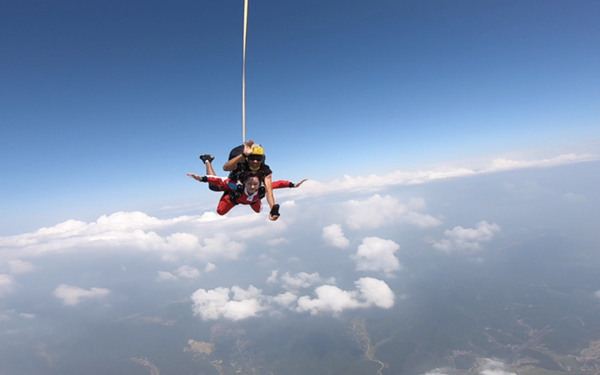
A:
124,230
374,183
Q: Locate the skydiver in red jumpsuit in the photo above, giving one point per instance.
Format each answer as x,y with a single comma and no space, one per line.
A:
250,193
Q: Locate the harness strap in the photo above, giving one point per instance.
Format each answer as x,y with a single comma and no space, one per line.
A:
237,194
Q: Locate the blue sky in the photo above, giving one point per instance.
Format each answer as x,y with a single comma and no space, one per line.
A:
105,106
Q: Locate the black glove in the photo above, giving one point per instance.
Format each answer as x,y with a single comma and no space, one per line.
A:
275,210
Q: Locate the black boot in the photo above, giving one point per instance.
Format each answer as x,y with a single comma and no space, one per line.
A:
206,157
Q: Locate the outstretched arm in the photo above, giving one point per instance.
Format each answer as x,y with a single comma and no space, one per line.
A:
197,178
231,165
280,184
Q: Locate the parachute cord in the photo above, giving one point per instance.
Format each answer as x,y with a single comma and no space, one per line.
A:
244,75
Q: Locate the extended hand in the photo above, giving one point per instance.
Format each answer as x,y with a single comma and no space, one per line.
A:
248,147
274,214
195,177
300,183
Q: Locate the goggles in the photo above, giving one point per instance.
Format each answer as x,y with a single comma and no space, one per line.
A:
255,157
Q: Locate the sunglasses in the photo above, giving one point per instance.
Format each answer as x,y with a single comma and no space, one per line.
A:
255,157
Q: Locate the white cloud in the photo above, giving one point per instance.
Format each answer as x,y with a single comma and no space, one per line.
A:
285,299
165,276
27,316
238,310
374,183
71,295
492,367
240,294
334,236
294,282
376,254
216,303
378,211
421,220
461,238
18,266
485,366
331,299
6,284
501,164
209,304
237,303
188,272
210,267
301,280
375,292
273,277
210,216
131,231
597,293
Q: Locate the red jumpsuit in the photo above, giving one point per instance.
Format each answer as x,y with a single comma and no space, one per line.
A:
227,185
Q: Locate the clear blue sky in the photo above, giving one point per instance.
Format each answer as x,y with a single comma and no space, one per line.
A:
104,106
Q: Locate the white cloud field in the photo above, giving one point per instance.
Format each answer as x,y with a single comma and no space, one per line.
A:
357,225
339,249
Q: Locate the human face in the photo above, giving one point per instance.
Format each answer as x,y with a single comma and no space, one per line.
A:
255,161
252,184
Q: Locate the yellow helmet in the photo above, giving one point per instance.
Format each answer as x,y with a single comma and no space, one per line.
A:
257,150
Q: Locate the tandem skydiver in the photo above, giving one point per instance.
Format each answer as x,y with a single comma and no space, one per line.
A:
248,157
